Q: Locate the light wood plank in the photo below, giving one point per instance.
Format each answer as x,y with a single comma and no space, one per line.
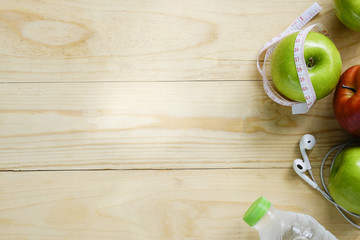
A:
67,41
203,204
155,125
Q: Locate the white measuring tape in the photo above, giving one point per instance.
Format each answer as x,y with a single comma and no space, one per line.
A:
305,82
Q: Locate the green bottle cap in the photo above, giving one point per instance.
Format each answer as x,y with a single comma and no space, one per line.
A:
256,211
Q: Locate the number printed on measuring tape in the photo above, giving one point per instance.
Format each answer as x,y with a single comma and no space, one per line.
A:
303,74
305,82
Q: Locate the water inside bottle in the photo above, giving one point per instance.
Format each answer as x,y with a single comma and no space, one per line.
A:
293,238
295,233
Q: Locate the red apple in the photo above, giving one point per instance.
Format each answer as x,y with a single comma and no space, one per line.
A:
346,102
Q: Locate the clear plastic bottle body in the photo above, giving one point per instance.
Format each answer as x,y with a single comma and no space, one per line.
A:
280,225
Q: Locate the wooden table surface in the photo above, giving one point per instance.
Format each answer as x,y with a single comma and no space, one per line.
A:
140,119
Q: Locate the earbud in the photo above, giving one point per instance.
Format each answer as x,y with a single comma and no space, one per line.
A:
306,142
300,168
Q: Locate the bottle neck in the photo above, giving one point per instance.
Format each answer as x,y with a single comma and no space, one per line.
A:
267,219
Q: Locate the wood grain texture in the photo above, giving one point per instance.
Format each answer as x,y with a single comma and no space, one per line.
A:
82,41
155,125
163,94
202,204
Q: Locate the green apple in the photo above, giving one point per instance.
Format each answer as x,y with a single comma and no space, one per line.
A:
348,12
323,63
344,179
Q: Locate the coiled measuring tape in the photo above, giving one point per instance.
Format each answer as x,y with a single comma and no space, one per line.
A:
301,68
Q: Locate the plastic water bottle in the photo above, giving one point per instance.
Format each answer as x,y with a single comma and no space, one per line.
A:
273,224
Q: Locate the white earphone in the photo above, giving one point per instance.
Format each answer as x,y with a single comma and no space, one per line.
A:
300,168
307,142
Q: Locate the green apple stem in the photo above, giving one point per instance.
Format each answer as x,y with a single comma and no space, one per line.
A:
311,62
350,88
